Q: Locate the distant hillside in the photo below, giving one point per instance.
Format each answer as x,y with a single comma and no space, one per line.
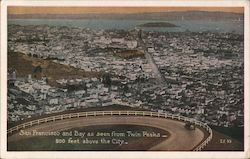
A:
187,15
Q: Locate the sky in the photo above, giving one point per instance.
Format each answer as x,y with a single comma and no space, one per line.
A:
127,10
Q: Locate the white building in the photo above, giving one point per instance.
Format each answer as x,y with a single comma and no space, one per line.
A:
53,101
132,44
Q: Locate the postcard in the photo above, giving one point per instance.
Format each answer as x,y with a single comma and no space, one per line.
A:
124,79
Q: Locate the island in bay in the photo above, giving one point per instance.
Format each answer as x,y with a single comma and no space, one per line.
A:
158,24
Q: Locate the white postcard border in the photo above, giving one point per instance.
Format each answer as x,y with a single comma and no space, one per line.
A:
124,154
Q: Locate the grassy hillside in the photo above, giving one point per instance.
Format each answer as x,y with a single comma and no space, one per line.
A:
25,65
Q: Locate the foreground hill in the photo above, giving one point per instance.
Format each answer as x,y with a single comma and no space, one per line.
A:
25,65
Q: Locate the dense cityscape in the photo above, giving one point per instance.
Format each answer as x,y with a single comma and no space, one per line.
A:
195,74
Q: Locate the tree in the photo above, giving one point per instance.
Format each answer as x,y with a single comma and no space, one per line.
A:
125,88
37,69
106,79
224,117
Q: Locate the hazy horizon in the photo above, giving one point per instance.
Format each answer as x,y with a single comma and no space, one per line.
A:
118,10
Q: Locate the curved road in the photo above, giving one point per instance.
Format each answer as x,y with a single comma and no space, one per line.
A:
180,138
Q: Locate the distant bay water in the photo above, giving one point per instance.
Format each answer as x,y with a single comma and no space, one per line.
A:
233,26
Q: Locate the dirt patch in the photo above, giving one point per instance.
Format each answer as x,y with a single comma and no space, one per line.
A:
129,54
